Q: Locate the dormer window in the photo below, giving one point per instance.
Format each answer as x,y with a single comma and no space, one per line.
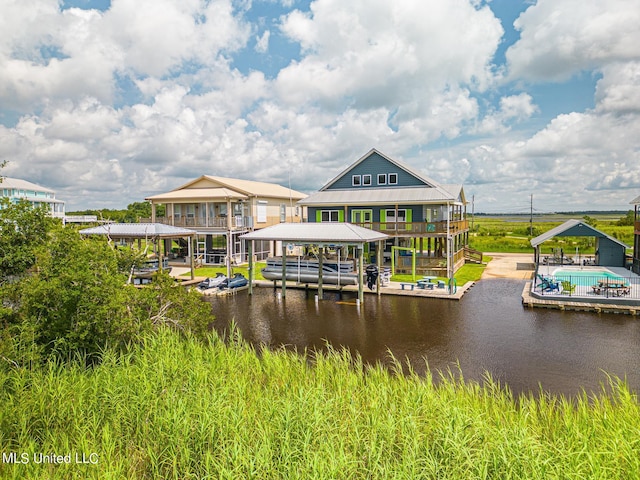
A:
382,179
393,179
366,180
355,180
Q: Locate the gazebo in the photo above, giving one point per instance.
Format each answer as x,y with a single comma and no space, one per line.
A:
609,251
153,232
321,235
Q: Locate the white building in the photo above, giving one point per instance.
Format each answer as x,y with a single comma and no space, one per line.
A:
15,190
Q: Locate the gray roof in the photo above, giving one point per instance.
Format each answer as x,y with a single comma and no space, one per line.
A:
399,164
138,230
9,182
384,196
573,228
317,233
635,201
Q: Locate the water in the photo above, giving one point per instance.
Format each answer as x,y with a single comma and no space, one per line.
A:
488,331
585,277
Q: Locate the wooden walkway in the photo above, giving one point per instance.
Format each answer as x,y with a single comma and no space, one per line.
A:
530,301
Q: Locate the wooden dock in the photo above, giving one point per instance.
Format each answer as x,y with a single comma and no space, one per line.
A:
393,288
530,301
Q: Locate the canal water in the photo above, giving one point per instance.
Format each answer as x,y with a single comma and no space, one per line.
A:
487,331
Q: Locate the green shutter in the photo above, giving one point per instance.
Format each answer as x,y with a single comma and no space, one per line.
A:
383,218
409,213
318,216
341,215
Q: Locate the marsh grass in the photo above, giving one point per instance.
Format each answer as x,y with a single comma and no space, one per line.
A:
175,408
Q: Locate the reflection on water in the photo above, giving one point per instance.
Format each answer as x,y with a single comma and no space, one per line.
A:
488,331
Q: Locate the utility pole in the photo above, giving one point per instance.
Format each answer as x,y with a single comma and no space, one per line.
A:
473,206
531,218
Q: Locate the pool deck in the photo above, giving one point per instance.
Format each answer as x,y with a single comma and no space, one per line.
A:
578,304
584,297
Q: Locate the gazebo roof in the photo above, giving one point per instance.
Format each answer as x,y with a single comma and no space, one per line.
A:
138,230
317,233
573,228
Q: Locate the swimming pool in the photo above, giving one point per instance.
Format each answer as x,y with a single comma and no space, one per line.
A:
585,277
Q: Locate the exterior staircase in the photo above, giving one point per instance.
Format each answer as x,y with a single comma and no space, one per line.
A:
472,256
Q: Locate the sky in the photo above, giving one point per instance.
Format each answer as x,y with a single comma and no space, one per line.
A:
110,101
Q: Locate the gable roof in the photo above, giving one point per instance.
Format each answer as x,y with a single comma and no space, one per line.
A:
209,186
314,233
8,182
138,230
429,182
573,228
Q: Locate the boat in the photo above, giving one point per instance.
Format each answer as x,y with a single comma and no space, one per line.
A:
238,280
306,270
144,274
212,282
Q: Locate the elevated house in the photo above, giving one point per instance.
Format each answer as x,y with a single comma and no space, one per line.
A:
17,190
426,220
635,265
221,209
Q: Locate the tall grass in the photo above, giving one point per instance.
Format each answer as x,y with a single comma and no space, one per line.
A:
174,408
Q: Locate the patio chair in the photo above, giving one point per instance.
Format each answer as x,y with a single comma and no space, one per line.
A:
568,288
547,284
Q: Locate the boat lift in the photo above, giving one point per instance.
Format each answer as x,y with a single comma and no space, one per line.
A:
322,235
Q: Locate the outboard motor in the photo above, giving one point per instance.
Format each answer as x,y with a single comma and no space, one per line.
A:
372,275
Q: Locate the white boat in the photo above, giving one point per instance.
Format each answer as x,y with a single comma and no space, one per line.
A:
143,275
213,282
306,270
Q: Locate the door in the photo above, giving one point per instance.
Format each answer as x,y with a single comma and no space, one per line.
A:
362,217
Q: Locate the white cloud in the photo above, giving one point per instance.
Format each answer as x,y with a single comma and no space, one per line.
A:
559,38
375,53
400,76
513,108
619,88
262,42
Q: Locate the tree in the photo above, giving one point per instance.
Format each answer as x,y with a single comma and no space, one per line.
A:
627,220
590,221
76,301
23,228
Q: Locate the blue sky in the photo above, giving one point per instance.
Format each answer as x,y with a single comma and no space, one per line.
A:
108,102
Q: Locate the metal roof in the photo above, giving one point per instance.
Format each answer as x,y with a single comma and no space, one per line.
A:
208,186
382,196
8,182
317,233
573,228
199,193
635,201
138,230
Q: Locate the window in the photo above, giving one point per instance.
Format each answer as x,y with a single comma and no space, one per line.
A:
261,210
382,179
366,180
329,216
283,212
393,179
355,180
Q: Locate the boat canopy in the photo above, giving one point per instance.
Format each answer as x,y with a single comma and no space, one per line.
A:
326,233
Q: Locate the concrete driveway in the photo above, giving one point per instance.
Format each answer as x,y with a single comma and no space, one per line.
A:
509,265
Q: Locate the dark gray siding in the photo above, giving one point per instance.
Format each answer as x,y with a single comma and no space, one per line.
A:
416,211
610,253
374,165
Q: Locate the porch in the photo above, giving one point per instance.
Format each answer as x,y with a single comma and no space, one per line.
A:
218,222
426,264
417,228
